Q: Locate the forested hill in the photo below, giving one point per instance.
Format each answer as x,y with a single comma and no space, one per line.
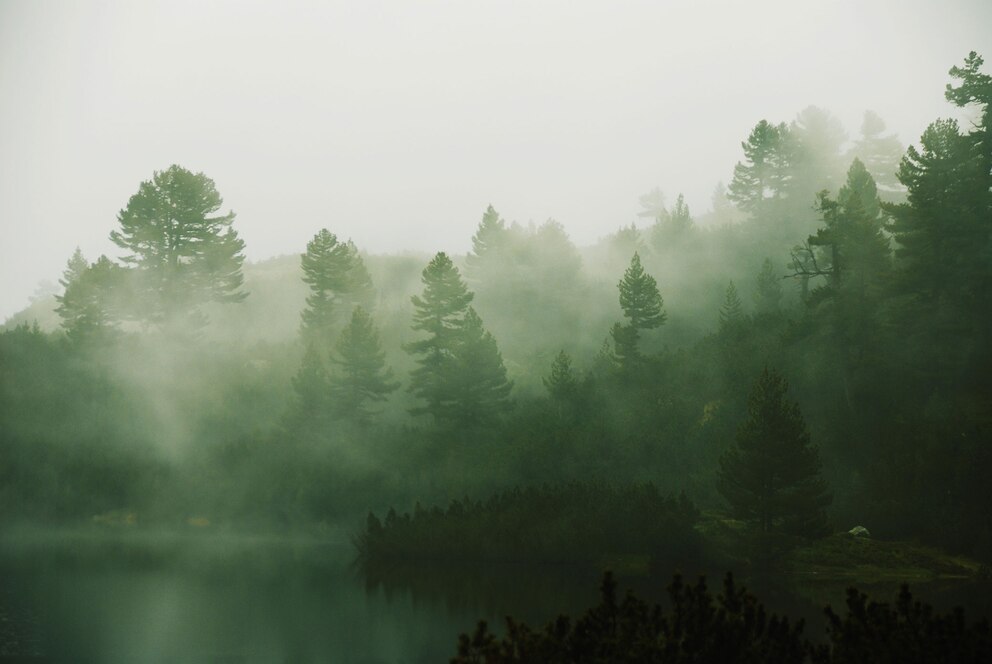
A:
845,275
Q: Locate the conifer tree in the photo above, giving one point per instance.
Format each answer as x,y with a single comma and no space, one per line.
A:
561,383
481,388
764,173
732,309
361,376
438,312
74,269
89,305
770,476
880,153
938,233
338,282
653,206
642,306
768,291
490,239
672,227
183,254
639,297
310,408
858,250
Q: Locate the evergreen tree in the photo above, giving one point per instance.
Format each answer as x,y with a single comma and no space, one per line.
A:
880,153
439,312
858,250
771,477
765,172
361,290
941,236
642,306
481,389
361,376
681,218
490,240
768,291
561,383
626,353
815,138
74,269
183,255
975,90
90,302
672,227
639,297
732,310
625,241
653,206
338,282
310,408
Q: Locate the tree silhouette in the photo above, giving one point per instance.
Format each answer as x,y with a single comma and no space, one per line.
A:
184,256
771,475
361,376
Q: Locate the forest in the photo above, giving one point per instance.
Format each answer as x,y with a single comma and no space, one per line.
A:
810,355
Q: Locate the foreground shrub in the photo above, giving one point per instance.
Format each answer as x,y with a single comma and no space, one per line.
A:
732,627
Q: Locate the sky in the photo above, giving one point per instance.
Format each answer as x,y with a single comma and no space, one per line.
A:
395,123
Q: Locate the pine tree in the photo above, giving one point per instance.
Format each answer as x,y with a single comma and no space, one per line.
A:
626,354
183,255
880,153
311,405
561,383
338,282
768,291
653,206
490,240
642,306
939,234
732,310
672,227
482,390
360,291
681,218
439,312
857,249
88,307
771,477
361,376
975,90
815,138
765,172
639,297
74,269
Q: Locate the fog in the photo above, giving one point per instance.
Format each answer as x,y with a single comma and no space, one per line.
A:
330,329
396,124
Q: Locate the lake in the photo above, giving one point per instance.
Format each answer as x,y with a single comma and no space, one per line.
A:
89,596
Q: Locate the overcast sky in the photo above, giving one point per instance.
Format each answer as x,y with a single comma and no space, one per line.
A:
396,123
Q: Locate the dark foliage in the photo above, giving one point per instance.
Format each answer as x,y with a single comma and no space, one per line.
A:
731,627
569,523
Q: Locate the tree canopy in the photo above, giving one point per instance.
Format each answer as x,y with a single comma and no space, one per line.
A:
183,253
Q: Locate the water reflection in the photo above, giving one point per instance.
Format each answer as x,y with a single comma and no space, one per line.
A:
209,601
236,599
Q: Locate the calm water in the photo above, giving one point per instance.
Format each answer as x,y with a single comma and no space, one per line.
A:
207,598
203,600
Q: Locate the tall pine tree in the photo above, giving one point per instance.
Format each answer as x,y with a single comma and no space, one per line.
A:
770,476
642,306
439,313
360,377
